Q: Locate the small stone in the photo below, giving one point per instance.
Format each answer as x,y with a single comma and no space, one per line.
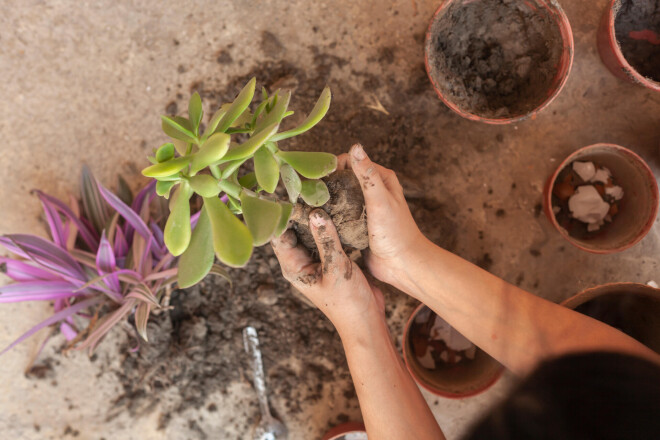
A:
602,175
587,205
266,294
615,191
586,170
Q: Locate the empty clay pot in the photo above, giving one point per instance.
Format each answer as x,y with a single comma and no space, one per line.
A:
498,61
636,211
631,307
629,41
347,431
464,379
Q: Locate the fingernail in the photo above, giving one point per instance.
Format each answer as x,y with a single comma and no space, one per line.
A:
317,219
358,152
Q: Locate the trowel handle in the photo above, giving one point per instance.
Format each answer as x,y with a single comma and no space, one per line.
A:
251,342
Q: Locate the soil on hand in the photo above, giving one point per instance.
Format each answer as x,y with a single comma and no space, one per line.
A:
637,30
345,208
495,58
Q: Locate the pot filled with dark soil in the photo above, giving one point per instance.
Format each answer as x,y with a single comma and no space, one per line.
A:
630,307
498,61
347,431
346,209
603,198
442,360
629,41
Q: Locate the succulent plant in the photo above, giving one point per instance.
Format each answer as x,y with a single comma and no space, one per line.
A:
206,161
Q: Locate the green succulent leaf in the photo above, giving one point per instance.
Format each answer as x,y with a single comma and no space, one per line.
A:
164,187
177,229
287,209
220,272
317,113
178,127
195,111
229,168
232,240
165,152
248,181
266,169
247,148
312,165
230,188
181,146
213,123
261,216
291,181
211,151
196,262
237,108
276,114
204,185
166,169
314,192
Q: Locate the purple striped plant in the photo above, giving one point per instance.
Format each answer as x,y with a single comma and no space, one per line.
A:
105,261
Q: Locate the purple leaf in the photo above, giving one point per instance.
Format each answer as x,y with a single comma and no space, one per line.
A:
43,253
21,271
121,246
96,209
36,286
68,331
106,263
125,211
59,316
86,233
158,234
54,223
194,218
143,293
36,296
106,324
141,319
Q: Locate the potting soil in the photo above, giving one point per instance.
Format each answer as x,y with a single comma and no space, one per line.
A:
637,30
495,58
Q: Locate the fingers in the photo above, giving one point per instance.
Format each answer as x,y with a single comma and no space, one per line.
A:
293,258
371,176
343,161
333,258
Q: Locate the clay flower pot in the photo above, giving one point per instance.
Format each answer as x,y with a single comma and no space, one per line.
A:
347,431
629,42
498,62
464,379
636,211
631,307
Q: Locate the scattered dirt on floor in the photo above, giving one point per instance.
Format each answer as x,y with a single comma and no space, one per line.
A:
637,30
196,349
346,209
495,58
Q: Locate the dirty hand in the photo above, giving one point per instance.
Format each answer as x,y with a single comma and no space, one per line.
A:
336,285
393,234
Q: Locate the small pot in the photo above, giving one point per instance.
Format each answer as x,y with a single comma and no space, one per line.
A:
637,209
610,50
354,431
458,381
631,307
456,100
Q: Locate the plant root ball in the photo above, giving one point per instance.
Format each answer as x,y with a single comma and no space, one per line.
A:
345,208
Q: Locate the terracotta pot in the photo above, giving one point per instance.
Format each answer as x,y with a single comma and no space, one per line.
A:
453,381
552,8
346,429
610,51
631,307
637,209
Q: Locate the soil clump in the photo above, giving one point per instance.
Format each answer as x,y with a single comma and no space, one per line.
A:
495,58
345,208
637,30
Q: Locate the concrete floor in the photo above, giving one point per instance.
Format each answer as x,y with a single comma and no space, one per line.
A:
85,82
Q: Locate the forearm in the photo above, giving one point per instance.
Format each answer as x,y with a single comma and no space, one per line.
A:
515,327
392,405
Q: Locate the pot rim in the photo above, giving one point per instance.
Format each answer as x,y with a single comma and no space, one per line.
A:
568,46
343,429
547,198
594,292
437,391
630,71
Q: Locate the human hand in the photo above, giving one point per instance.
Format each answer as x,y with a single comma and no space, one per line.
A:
393,234
336,285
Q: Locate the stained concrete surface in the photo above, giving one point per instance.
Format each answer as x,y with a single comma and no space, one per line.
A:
86,81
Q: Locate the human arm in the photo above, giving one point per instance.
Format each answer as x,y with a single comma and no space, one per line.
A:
515,327
392,405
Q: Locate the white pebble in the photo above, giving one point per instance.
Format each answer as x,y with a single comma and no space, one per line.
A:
615,191
586,170
602,175
587,205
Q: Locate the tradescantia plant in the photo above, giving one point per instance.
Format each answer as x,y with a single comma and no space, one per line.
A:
105,260
207,162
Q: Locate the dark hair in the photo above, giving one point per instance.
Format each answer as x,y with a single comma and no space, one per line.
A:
580,396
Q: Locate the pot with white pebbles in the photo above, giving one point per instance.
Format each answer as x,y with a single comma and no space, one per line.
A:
603,198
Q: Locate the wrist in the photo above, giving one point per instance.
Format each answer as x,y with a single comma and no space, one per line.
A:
359,326
405,271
